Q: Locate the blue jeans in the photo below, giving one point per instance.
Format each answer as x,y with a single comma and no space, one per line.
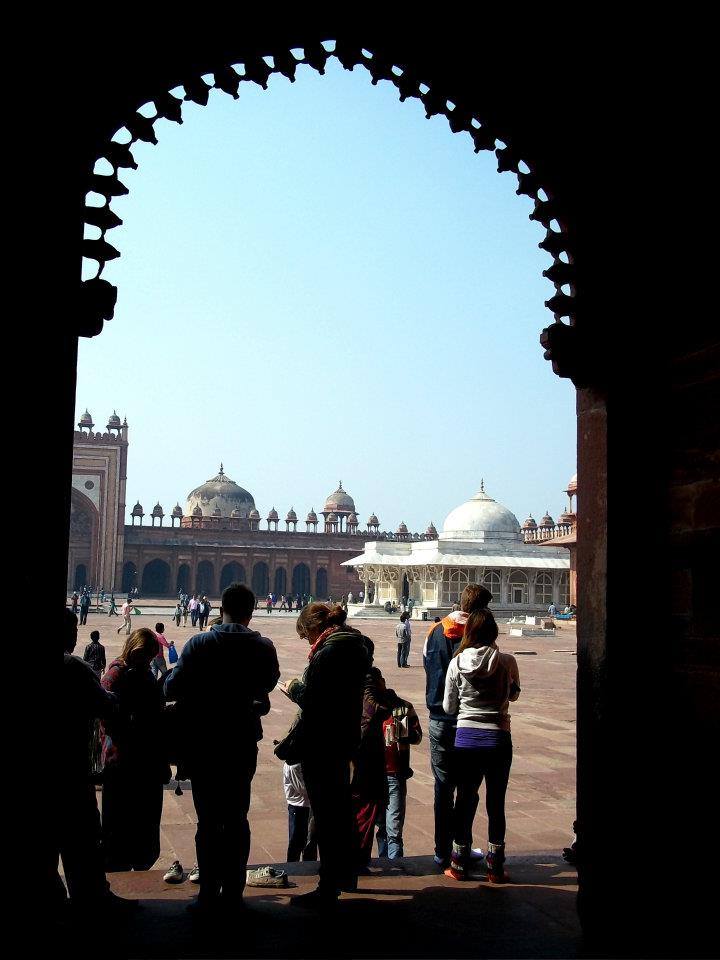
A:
390,827
403,652
443,763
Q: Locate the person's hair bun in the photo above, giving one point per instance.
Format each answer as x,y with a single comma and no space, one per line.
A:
336,615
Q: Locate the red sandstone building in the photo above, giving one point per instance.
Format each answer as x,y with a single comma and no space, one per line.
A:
214,541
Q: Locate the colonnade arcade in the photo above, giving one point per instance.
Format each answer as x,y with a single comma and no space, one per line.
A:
441,586
158,576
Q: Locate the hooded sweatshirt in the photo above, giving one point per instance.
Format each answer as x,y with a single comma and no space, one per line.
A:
223,678
479,686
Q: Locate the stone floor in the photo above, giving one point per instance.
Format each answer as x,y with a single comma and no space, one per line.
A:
405,909
541,794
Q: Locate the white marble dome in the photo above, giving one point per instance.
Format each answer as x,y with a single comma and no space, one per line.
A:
481,518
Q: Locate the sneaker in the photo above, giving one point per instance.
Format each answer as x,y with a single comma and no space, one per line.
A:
175,873
267,877
441,861
477,854
315,900
194,875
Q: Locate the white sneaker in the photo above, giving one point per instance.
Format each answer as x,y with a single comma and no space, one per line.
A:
175,873
194,875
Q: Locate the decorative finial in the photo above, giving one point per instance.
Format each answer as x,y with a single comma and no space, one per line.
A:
482,484
222,472
340,485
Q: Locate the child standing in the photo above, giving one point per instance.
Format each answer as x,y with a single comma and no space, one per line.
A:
95,653
400,730
301,828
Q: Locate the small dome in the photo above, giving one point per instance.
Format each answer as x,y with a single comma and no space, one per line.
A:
177,511
547,521
236,514
291,515
353,518
86,419
332,518
137,510
312,517
273,515
157,511
217,512
566,517
339,501
402,529
254,514
481,518
373,520
431,531
530,524
197,512
114,421
572,485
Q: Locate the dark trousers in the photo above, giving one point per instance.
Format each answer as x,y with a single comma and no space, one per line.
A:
193,617
301,834
131,811
491,764
328,786
444,768
78,842
221,794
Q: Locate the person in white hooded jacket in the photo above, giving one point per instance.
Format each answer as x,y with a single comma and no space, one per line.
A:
479,686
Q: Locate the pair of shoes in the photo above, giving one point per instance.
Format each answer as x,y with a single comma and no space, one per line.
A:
267,877
194,875
175,873
315,900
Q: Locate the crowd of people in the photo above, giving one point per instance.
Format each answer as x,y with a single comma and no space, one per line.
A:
346,756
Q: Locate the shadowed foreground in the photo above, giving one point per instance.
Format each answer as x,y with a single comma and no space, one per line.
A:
408,909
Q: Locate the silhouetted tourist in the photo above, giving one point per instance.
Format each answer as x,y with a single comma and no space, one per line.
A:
95,654
177,614
440,645
400,730
185,607
330,695
134,765
481,681
369,786
302,842
112,612
73,812
74,600
403,635
221,684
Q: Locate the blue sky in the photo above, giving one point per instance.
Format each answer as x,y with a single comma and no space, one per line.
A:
317,283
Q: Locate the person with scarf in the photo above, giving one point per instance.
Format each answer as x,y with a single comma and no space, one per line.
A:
440,645
479,686
330,696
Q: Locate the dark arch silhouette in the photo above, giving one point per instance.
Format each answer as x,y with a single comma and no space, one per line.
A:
156,579
183,578
321,584
205,578
129,577
280,581
260,579
80,576
301,580
232,572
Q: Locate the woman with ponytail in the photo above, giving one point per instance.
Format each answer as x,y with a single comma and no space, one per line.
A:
330,695
480,683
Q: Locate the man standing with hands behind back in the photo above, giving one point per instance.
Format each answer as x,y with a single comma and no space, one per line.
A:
221,684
